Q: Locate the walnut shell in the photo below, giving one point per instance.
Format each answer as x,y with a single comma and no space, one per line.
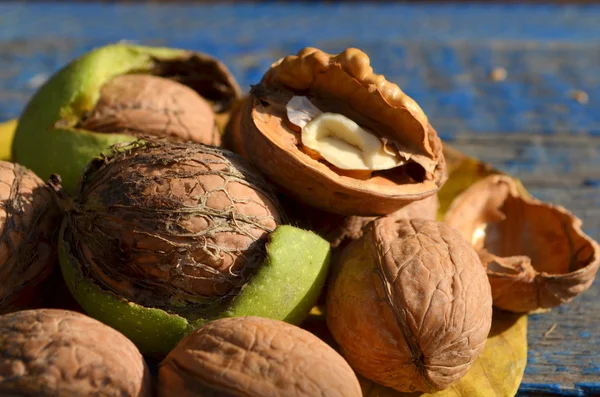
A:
254,357
142,104
344,84
163,223
536,254
29,218
232,137
56,353
409,304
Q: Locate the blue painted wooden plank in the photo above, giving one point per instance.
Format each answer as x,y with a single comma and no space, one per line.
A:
442,55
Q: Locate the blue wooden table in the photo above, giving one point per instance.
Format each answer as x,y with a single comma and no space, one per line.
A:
541,123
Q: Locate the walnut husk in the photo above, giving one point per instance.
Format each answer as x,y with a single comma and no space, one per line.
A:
255,357
143,104
535,253
177,226
409,304
344,84
29,218
49,353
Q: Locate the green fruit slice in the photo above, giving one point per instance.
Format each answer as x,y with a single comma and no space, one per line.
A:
47,139
285,287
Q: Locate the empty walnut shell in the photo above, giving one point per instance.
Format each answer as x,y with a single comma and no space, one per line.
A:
344,84
255,357
409,304
59,353
143,104
29,218
535,253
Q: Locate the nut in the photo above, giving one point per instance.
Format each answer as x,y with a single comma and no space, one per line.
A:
181,230
255,357
51,353
367,149
29,218
52,135
409,304
141,104
536,254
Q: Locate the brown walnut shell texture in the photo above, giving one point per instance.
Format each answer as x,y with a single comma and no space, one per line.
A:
142,104
255,357
409,304
59,353
29,218
536,255
345,84
164,222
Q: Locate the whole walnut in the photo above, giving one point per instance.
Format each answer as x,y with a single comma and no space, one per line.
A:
56,353
409,304
29,218
254,357
142,104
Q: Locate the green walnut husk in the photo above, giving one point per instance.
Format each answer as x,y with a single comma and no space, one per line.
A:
51,136
163,237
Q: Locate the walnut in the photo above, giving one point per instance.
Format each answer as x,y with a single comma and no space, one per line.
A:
409,304
53,353
142,104
29,218
255,357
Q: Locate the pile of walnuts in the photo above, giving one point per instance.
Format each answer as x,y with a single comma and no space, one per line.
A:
181,220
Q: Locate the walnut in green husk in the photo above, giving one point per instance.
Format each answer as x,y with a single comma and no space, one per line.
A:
115,93
163,236
143,104
59,353
29,220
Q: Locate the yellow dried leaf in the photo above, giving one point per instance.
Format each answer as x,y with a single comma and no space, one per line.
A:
7,133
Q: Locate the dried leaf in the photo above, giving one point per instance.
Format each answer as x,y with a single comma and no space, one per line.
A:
7,134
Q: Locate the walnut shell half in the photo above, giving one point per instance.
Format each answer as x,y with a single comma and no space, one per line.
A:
409,304
343,84
254,357
50,353
536,254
